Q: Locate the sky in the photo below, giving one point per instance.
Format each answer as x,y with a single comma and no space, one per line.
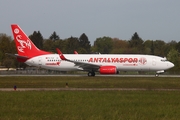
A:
151,19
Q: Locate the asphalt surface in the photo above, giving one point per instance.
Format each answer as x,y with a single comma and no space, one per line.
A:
71,75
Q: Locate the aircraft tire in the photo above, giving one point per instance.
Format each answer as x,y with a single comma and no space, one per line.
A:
91,74
156,75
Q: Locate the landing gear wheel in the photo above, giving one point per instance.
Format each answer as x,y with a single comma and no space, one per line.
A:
91,73
156,75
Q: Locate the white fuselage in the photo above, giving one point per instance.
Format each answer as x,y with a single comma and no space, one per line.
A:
124,62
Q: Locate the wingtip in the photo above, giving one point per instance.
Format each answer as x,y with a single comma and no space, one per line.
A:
58,51
60,54
75,52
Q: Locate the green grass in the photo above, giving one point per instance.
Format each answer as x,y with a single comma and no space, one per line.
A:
90,82
90,105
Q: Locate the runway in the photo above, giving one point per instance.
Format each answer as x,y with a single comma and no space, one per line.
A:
84,75
85,89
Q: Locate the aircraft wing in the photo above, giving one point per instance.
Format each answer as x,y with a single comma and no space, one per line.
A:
83,65
86,66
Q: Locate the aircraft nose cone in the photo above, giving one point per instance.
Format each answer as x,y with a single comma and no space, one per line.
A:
170,65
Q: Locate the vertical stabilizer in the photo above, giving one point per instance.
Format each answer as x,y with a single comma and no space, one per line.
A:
25,47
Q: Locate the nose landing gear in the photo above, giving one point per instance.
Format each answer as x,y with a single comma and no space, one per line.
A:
156,75
159,72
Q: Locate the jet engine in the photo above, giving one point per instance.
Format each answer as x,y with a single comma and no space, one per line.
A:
108,70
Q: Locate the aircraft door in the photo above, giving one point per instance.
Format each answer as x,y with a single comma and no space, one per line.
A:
154,61
40,61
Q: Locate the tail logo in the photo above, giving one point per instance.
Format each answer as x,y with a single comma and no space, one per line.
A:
16,31
22,43
142,61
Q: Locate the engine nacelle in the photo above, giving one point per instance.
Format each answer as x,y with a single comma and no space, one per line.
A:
161,71
108,70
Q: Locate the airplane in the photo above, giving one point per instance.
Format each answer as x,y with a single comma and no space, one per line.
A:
102,63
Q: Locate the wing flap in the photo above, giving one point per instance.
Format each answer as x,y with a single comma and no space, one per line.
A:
86,65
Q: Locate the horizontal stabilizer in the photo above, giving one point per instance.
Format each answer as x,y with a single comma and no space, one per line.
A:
19,58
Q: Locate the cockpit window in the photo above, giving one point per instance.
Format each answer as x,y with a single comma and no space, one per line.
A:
164,59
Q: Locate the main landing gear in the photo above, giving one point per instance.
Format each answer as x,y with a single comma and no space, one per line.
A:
91,73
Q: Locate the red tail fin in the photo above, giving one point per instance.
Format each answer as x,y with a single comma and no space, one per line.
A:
24,45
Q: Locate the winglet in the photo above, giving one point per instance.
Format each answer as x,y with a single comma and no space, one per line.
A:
60,54
75,52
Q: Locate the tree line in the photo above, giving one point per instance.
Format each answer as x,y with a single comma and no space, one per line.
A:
103,45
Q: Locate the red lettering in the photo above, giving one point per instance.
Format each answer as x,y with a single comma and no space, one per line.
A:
100,59
52,63
125,59
135,60
104,60
130,60
117,60
113,59
95,59
109,60
121,60
90,60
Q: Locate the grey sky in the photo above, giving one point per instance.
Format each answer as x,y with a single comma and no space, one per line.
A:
151,19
